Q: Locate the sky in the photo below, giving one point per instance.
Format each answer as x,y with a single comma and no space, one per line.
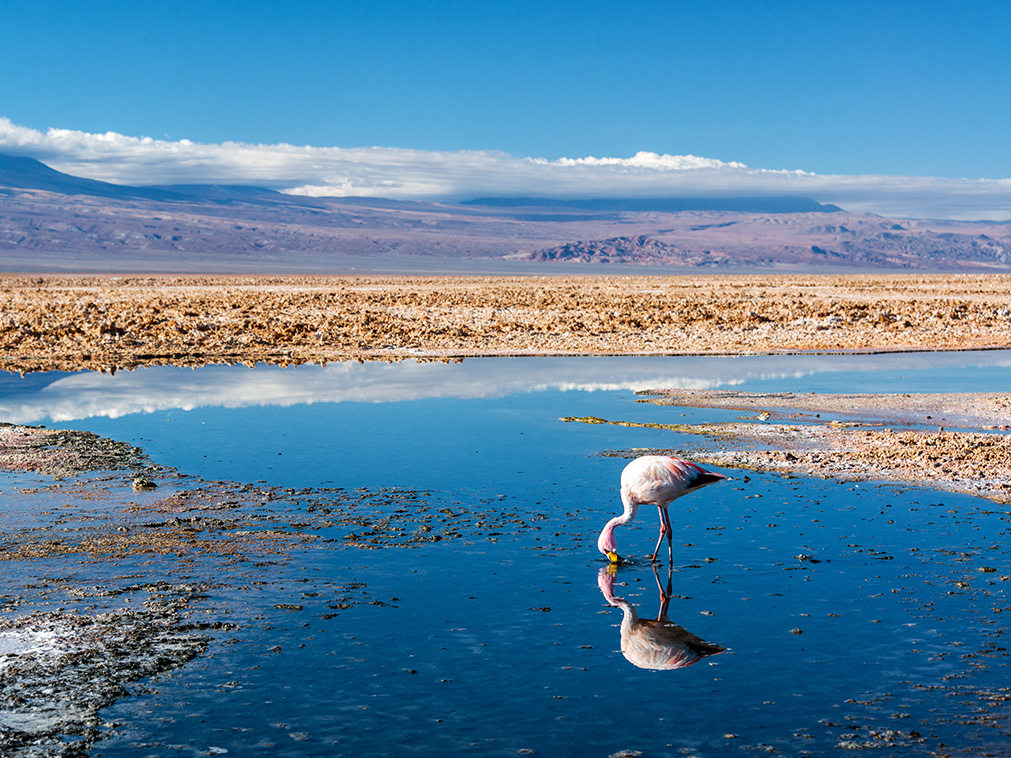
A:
883,106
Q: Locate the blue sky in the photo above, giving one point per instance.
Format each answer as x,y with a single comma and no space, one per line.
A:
858,88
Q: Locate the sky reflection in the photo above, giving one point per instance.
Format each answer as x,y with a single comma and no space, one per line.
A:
86,395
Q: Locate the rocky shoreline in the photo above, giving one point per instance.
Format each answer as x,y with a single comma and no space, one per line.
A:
852,437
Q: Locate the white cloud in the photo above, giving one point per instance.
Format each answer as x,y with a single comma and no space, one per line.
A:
402,173
644,159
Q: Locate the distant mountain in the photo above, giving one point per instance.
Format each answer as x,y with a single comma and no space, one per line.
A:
30,174
50,221
785,204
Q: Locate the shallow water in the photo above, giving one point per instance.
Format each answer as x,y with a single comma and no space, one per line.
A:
853,615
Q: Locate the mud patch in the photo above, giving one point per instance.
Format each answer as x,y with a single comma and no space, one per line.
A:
65,453
106,585
58,669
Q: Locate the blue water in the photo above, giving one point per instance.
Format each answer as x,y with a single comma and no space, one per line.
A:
423,424
852,614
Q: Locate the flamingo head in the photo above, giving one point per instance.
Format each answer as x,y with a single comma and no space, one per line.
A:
605,581
606,543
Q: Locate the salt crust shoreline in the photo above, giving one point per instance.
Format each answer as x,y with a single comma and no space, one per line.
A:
853,437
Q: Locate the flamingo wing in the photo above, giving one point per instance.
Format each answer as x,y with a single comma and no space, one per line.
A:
659,479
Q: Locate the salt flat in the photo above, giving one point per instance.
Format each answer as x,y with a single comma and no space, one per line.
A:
103,323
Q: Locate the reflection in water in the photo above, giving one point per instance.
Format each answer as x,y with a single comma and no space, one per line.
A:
62,397
657,644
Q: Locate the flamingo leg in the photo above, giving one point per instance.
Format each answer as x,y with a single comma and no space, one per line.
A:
664,527
670,535
665,594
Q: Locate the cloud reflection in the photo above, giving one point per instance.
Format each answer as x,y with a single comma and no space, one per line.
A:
161,388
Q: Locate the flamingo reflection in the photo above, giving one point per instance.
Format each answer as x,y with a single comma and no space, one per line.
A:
660,644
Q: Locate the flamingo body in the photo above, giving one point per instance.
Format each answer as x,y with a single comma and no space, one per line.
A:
660,645
654,480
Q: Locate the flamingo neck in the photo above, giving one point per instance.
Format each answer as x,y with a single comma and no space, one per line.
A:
606,540
631,507
605,581
629,620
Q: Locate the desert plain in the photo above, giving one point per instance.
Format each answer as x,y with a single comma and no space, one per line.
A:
109,323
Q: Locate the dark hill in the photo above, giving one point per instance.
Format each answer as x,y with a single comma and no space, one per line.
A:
30,174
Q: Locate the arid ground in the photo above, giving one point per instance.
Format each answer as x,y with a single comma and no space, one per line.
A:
63,323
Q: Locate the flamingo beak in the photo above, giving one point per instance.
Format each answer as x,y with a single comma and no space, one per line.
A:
613,557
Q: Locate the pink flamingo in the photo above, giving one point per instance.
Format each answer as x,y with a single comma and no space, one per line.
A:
660,644
654,480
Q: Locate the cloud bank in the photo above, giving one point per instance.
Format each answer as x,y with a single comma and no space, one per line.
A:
433,175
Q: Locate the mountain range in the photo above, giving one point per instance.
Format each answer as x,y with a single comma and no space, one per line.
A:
51,221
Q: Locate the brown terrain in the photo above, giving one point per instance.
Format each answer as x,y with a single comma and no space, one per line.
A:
67,323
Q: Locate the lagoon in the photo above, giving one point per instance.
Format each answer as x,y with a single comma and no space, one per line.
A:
853,615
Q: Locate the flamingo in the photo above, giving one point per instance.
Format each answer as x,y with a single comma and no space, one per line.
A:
654,480
660,644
